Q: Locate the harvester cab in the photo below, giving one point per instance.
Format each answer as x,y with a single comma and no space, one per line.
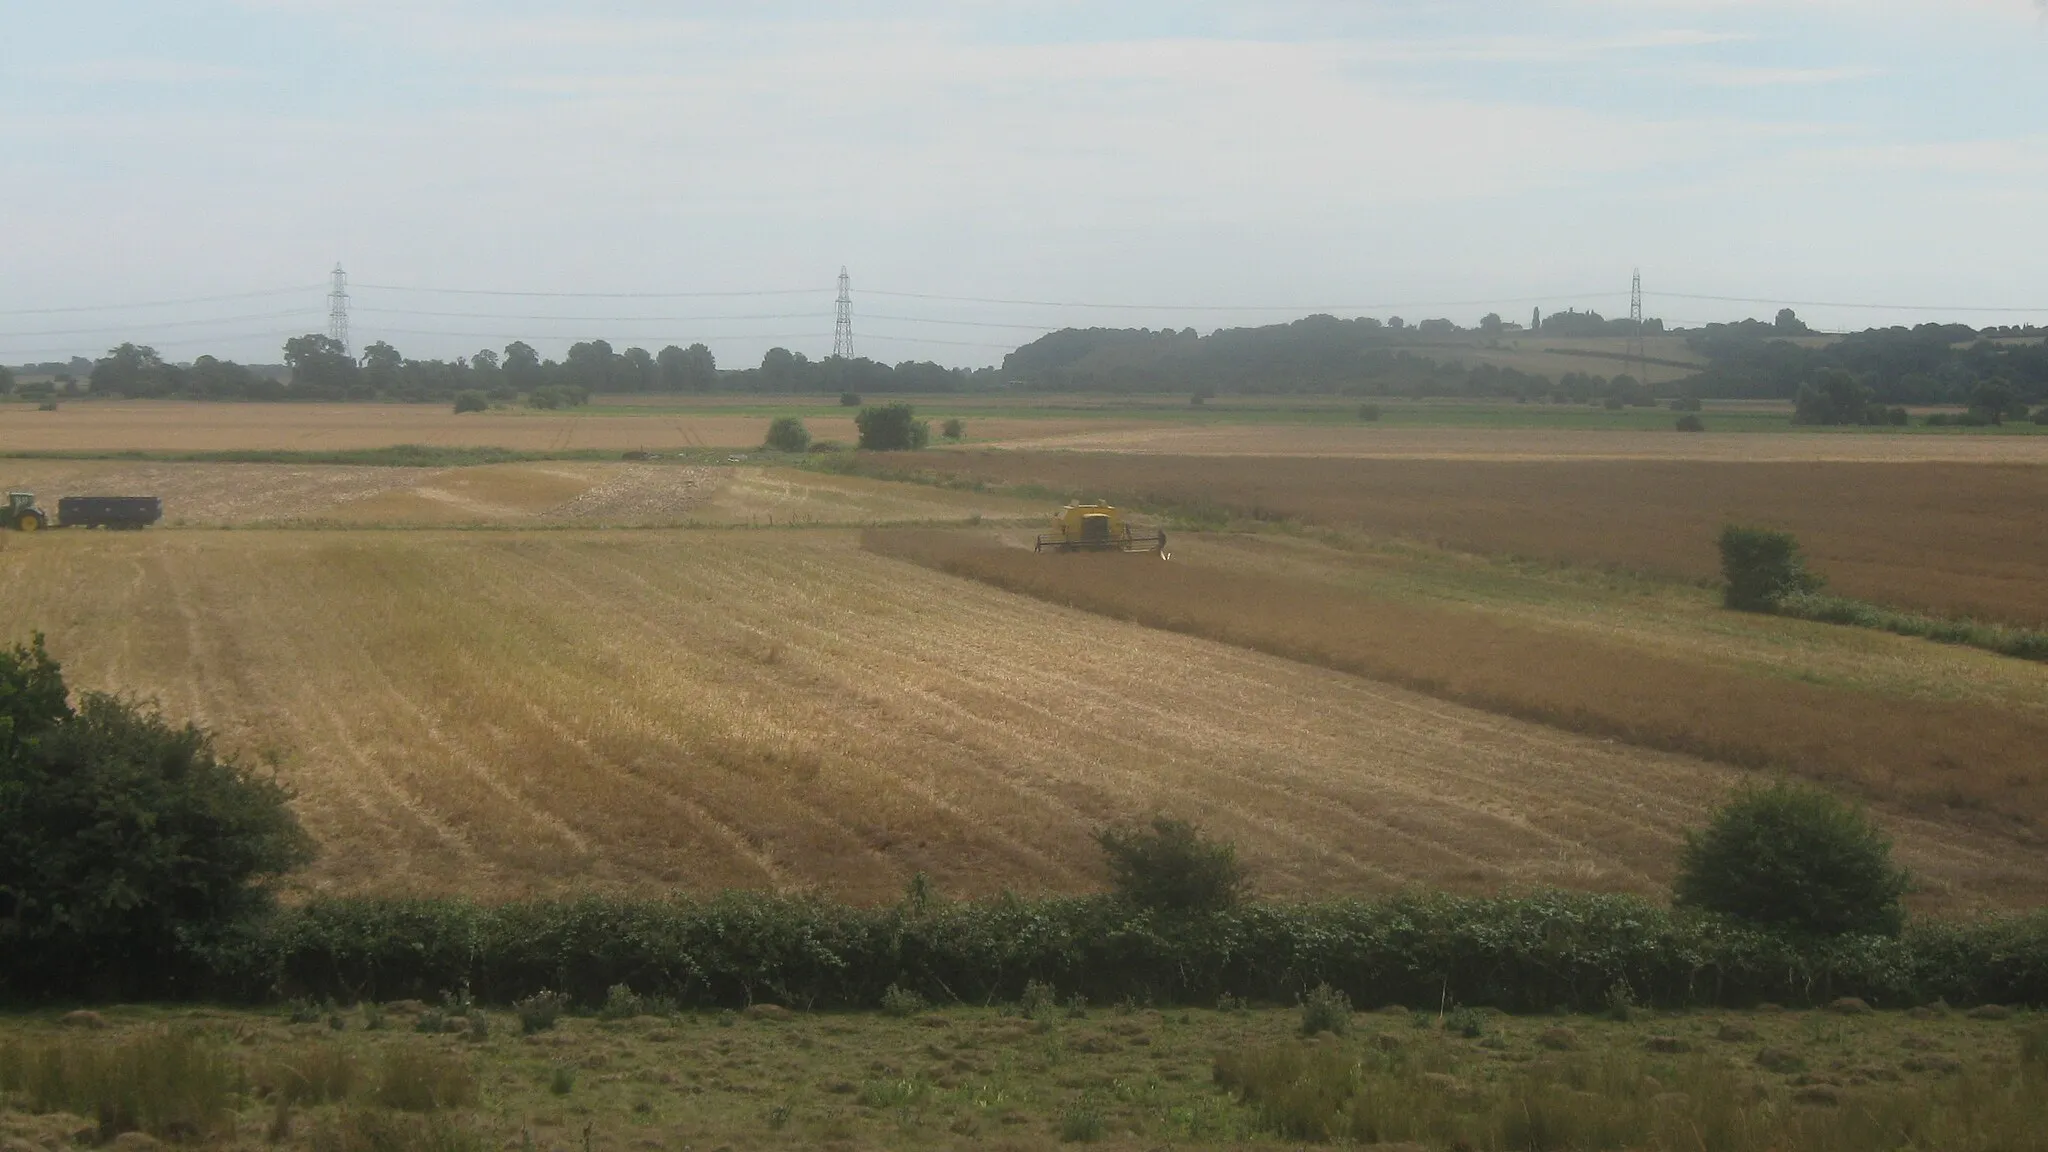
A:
1098,527
22,513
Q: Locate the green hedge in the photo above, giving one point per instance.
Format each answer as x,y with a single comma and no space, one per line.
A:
1522,954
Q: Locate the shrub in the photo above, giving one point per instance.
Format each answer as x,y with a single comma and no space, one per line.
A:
1691,423
621,1003
538,1012
787,434
1038,999
1794,857
1325,1009
1170,866
471,400
1686,404
1615,403
2040,414
1081,1124
129,849
1761,565
1368,412
953,429
892,428
900,1001
849,399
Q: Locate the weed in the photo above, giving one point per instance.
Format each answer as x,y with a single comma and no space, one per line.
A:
899,1001
562,1080
540,1011
1081,1124
1038,999
316,1074
370,1130
620,1003
373,1016
1325,1009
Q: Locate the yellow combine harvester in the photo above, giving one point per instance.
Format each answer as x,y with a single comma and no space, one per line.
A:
1097,528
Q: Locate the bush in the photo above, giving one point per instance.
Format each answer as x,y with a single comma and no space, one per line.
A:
471,400
849,399
787,434
129,850
1686,404
898,1001
1615,403
892,428
1368,412
538,1012
1691,423
1325,1009
1760,565
953,429
622,1003
1171,867
2040,414
1794,857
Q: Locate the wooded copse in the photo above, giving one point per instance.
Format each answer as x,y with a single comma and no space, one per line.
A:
1997,373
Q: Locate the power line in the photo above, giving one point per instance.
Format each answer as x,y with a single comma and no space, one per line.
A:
1839,304
156,324
594,319
1299,308
596,295
161,344
580,336
160,303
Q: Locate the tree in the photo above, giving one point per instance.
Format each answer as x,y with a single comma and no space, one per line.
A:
1490,324
320,366
130,370
1791,856
636,371
1761,566
691,369
128,847
590,365
6,380
787,434
382,365
1994,400
1170,866
1835,397
522,366
1788,323
891,428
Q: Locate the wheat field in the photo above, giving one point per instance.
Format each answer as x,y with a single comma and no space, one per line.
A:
507,713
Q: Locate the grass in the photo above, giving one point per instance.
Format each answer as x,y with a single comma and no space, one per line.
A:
1135,1077
1952,540
2021,643
1927,755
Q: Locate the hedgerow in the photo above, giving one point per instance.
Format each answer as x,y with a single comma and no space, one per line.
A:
1531,953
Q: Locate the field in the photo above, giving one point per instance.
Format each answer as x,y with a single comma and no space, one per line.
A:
1123,1078
1951,539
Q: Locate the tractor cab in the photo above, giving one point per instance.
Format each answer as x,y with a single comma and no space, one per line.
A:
22,513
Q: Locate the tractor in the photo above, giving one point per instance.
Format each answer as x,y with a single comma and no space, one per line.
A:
1097,527
22,515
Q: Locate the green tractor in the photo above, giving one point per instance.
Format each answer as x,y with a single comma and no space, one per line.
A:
22,515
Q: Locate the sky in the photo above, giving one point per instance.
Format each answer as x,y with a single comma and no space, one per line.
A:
186,175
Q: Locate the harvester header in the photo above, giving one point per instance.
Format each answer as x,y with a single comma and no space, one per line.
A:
1098,527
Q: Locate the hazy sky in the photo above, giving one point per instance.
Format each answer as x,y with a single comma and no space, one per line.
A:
1238,162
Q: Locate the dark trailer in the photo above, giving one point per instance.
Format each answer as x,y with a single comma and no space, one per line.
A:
109,511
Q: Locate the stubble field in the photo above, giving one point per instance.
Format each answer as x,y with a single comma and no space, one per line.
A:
511,713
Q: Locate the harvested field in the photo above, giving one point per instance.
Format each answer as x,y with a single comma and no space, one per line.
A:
1366,442
509,713
1960,540
193,426
1923,754
545,493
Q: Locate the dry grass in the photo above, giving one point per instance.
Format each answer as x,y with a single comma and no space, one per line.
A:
1947,539
511,713
1927,755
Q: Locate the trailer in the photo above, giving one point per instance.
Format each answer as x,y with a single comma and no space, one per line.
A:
129,512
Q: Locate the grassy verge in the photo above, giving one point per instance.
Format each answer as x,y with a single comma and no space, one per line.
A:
2023,643
1026,1076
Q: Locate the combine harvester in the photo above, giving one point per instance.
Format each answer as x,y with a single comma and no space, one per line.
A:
1098,528
22,515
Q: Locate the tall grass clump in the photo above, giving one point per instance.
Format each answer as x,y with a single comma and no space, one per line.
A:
372,1130
169,1083
1794,857
416,1078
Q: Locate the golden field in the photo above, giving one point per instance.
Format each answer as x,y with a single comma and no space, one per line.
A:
513,712
1954,539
